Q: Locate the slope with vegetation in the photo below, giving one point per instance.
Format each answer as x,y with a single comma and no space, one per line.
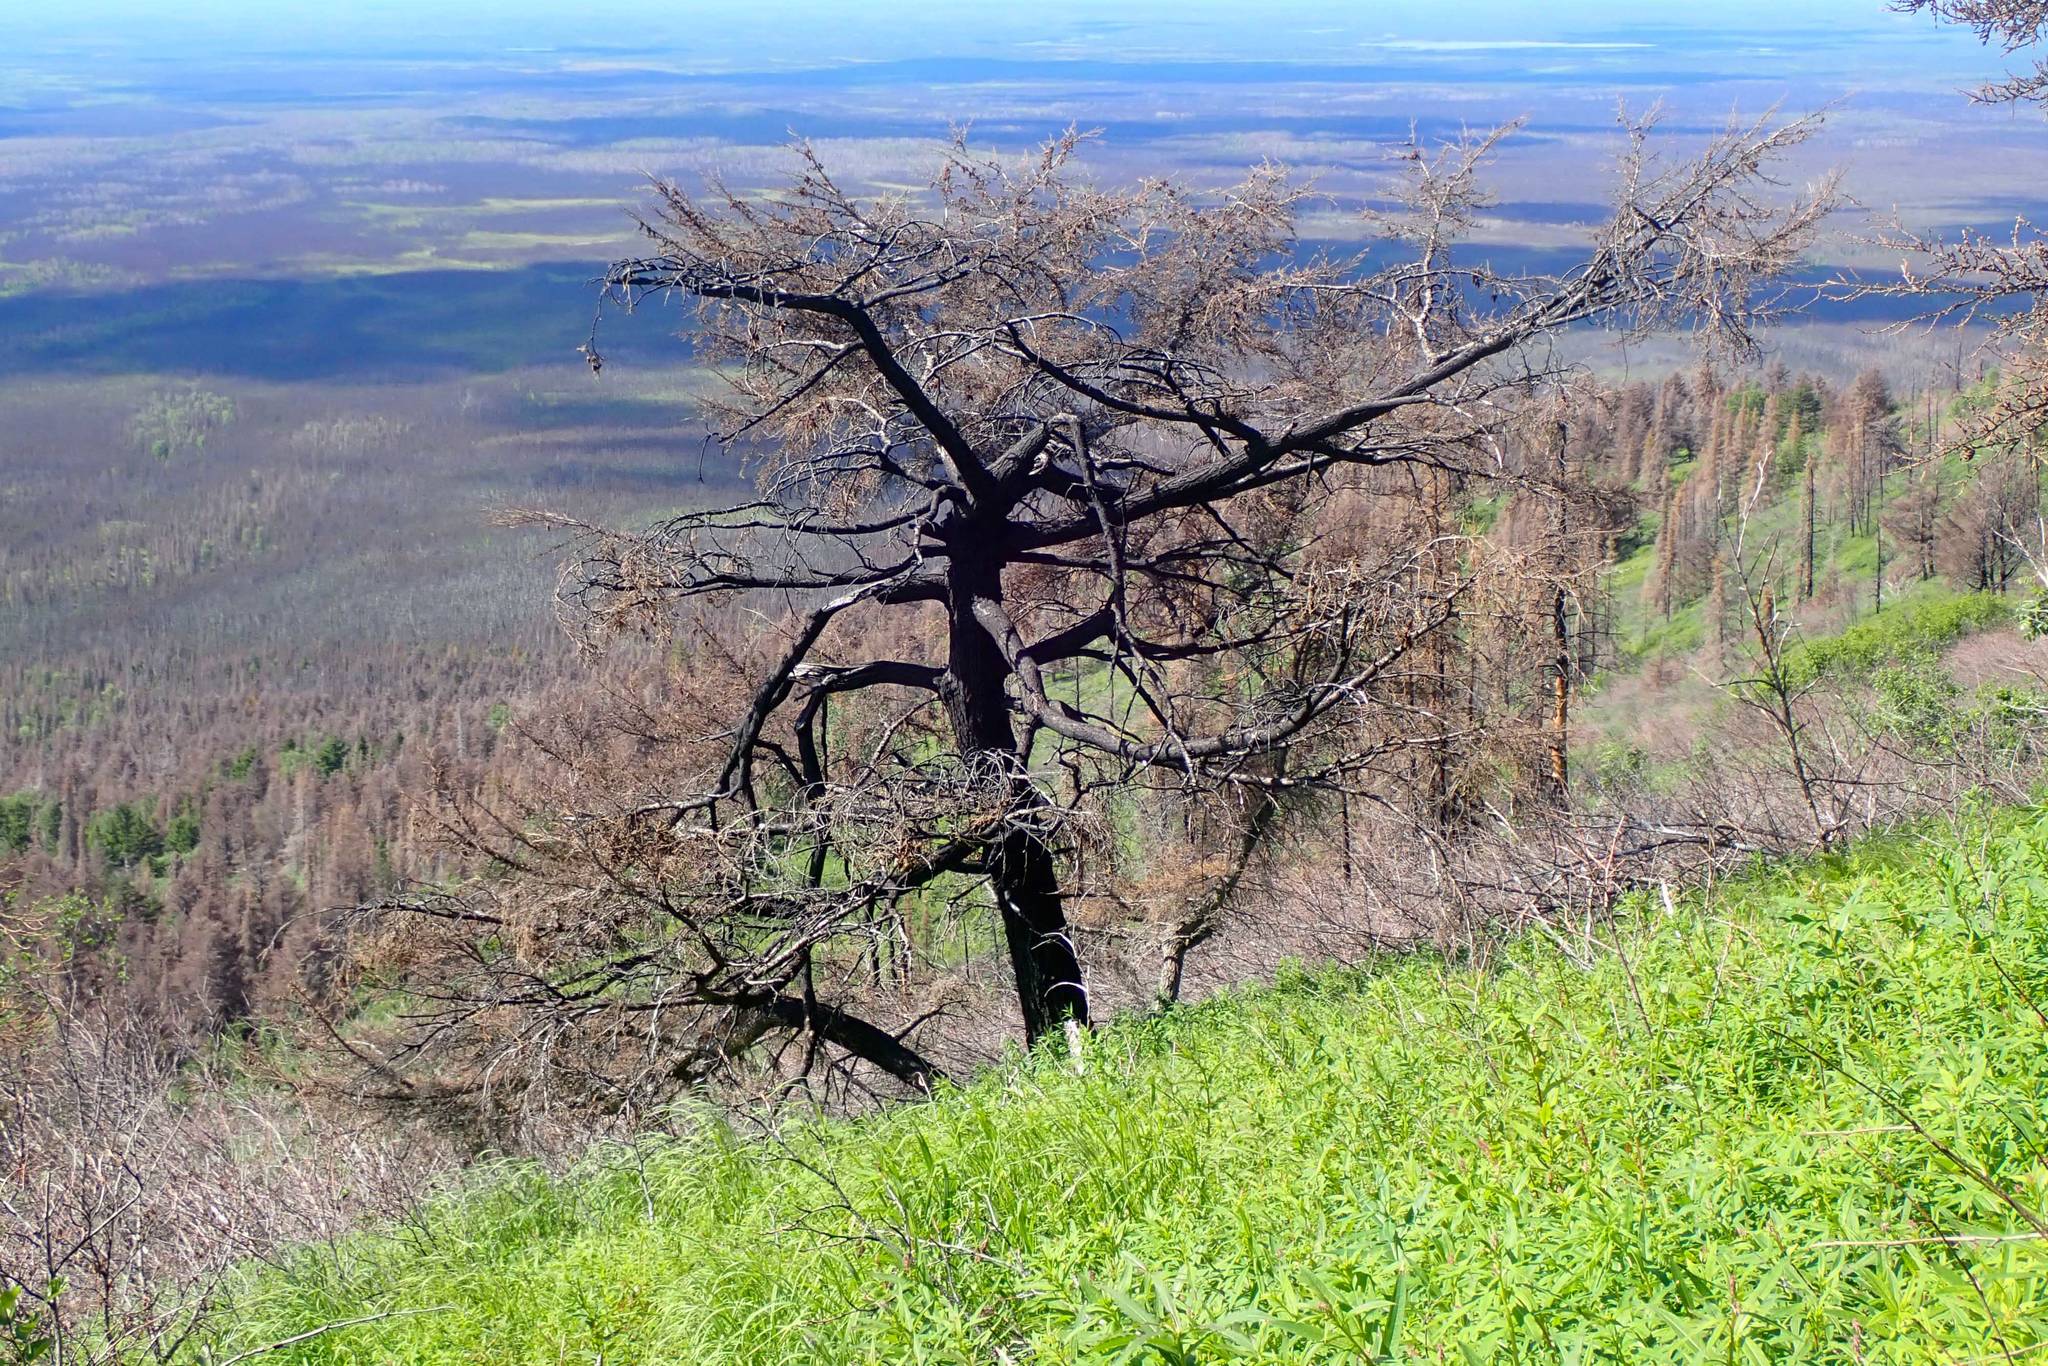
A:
1802,1116
1277,619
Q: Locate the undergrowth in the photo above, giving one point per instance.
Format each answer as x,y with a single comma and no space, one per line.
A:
1916,626
1802,1117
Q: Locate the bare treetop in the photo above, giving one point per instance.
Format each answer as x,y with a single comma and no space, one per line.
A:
2012,25
928,345
1998,280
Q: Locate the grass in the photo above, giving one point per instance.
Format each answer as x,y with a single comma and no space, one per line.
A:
1794,1120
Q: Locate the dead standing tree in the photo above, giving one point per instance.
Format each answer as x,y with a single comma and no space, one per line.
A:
2002,284
1080,455
1972,278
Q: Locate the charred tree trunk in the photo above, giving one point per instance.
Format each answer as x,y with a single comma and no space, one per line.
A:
1048,972
1022,867
1561,665
1807,549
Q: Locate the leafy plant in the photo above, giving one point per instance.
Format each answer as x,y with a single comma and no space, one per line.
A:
2033,616
1900,633
22,1336
126,833
1801,1120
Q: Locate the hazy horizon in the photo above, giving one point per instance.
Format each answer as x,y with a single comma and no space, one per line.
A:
439,179
770,36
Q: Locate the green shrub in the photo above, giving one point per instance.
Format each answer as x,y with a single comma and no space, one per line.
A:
22,1337
181,836
17,822
332,755
2033,616
28,819
1918,699
1912,628
171,424
327,758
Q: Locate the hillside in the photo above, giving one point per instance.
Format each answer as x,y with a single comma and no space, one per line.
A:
1798,1117
1142,684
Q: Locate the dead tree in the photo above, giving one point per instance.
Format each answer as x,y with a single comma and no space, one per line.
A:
2013,26
1777,691
1561,663
1063,494
1974,278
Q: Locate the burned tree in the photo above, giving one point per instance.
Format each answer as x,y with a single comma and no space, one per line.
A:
1064,494
1973,278
2001,284
2013,26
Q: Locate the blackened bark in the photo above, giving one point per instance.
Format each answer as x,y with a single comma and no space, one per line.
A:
866,1041
1561,677
1042,957
1022,867
1806,550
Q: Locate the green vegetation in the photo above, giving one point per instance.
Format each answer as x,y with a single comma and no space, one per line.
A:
125,833
2033,616
176,424
326,757
181,834
21,1337
26,820
1802,1119
1934,618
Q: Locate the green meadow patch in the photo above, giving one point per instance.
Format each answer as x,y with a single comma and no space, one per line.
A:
1930,620
1803,1118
